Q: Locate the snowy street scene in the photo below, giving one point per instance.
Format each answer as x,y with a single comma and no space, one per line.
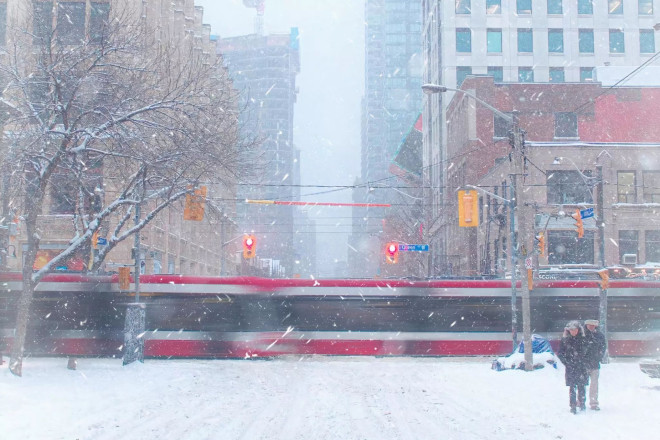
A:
320,398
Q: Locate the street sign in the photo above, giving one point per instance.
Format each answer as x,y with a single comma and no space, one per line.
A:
101,241
586,213
414,247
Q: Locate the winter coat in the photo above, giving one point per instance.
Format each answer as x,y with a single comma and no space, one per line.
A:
572,355
594,348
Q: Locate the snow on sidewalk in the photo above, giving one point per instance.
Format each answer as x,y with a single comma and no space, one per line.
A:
317,398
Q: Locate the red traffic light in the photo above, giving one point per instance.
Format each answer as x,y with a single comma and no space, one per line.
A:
392,252
249,246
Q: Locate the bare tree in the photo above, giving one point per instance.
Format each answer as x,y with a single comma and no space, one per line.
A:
109,122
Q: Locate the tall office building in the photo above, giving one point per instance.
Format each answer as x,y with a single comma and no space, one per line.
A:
391,105
264,69
520,41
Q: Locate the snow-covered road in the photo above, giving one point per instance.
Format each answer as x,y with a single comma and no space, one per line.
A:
317,398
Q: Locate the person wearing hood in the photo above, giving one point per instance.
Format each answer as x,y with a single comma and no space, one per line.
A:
572,355
595,347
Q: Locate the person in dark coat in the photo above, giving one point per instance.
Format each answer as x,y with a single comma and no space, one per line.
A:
571,354
595,346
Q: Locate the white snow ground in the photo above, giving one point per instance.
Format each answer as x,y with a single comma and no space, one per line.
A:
317,398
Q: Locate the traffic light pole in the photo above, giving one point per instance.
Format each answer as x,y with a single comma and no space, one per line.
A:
525,239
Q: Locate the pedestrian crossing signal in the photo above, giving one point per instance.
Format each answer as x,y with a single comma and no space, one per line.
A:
249,246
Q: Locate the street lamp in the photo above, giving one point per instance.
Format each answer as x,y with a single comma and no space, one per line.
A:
525,244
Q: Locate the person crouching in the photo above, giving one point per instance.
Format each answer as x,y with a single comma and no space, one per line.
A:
572,355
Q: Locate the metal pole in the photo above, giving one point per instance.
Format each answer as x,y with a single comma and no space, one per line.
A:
602,304
525,245
514,262
222,245
137,252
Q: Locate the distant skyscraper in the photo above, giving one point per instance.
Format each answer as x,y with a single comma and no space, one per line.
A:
391,105
264,70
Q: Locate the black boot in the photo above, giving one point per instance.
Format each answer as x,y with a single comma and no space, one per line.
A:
573,411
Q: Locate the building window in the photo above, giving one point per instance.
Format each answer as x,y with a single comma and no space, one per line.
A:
586,40
524,6
525,41
461,73
556,74
556,40
63,194
616,41
625,187
71,22
3,24
628,243
565,248
463,6
645,7
567,187
494,40
496,72
586,7
554,7
586,74
566,125
651,186
646,41
463,40
525,74
501,127
652,246
98,20
42,23
615,7
493,6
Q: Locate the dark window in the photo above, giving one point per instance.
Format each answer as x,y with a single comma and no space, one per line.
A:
628,243
42,21
493,6
525,41
646,41
463,6
586,7
554,7
525,74
556,74
70,23
568,187
653,246
524,6
625,187
461,73
555,40
63,194
496,72
651,186
3,24
586,74
565,248
586,40
463,40
616,41
566,125
501,127
98,20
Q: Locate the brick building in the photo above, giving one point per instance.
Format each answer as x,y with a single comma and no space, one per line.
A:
574,132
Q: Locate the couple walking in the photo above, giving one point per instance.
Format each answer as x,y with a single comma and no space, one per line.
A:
581,352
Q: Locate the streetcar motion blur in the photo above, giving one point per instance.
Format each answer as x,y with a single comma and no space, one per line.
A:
191,316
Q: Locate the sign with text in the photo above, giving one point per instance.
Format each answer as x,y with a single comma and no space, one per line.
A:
586,213
414,247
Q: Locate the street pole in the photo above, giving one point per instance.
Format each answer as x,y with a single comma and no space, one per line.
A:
602,304
525,244
514,262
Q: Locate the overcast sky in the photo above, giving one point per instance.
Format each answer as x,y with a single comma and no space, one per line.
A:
331,85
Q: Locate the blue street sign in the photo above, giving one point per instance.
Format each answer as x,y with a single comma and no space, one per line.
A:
101,241
414,247
586,213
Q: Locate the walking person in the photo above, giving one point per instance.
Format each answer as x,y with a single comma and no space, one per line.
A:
595,346
571,354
